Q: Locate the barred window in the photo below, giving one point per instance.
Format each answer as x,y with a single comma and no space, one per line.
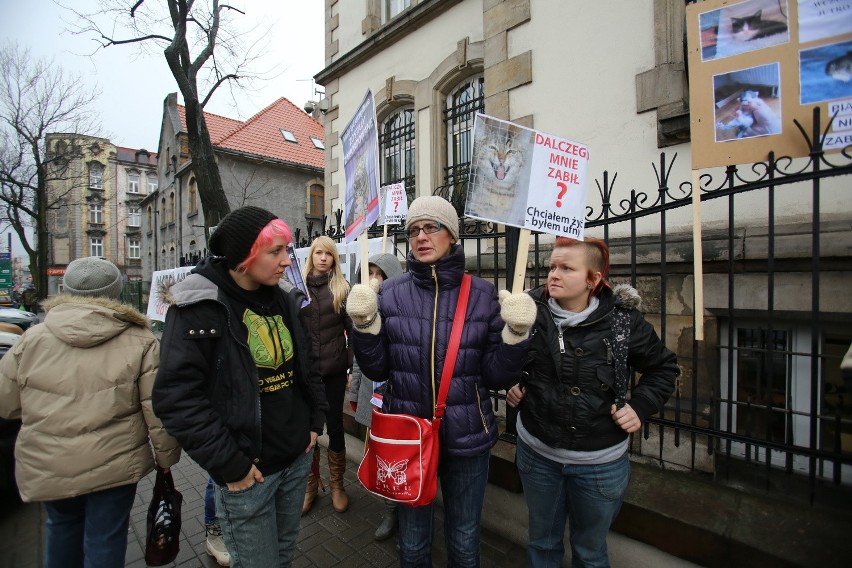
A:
396,146
463,103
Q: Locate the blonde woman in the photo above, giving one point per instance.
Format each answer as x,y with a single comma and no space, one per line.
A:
326,321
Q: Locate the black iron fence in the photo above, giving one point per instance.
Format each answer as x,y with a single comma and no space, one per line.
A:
761,399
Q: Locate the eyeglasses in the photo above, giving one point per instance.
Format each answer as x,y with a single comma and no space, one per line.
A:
428,228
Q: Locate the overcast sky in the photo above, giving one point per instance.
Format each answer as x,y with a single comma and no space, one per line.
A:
133,86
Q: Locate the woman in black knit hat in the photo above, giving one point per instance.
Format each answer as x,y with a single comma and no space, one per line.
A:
237,385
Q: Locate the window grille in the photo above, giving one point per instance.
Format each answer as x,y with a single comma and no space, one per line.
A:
462,105
397,148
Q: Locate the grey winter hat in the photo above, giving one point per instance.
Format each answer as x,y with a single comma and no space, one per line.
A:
93,276
434,208
387,263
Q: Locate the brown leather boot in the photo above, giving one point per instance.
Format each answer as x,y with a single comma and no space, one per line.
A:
336,468
314,481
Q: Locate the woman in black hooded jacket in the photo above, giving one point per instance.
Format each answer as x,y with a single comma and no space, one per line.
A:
574,417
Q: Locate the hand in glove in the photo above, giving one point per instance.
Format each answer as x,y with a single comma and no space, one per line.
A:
362,307
518,311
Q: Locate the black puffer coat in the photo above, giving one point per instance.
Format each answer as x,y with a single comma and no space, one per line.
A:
569,394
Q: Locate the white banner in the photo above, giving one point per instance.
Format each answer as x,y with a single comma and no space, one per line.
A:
527,179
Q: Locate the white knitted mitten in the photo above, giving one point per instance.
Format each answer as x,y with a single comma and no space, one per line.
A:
362,306
518,311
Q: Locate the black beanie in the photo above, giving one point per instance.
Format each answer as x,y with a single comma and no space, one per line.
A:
237,232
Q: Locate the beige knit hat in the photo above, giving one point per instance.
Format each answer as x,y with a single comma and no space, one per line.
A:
434,208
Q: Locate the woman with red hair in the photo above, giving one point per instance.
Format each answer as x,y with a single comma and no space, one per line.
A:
239,388
574,415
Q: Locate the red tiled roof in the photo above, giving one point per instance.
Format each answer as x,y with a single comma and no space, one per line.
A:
261,134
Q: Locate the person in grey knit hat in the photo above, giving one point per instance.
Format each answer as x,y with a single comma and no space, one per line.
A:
93,276
81,384
361,389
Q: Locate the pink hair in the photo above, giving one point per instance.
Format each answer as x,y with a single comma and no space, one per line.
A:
597,257
275,228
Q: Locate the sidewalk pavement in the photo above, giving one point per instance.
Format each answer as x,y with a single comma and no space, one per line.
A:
326,538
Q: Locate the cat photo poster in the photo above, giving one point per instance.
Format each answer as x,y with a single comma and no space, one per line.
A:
360,141
743,27
527,179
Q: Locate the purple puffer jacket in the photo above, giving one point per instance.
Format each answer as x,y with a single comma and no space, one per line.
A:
403,351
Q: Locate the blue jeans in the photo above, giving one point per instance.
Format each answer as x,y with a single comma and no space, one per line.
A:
587,496
89,531
260,524
210,517
463,481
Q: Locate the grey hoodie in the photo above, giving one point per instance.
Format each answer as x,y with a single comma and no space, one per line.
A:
361,388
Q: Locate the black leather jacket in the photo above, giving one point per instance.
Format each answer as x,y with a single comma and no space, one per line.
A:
570,386
206,391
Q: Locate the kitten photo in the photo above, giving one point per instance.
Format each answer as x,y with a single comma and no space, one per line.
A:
499,172
753,27
743,119
840,68
744,26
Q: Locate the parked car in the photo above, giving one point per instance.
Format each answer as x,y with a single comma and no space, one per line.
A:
8,434
6,299
18,317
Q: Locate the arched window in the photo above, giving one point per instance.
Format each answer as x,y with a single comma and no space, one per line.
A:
172,207
163,216
396,147
192,206
463,102
316,201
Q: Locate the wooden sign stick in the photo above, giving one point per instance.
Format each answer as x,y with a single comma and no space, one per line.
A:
697,256
521,262
365,255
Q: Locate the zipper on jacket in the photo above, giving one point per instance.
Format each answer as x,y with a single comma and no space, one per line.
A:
608,351
434,332
479,407
561,340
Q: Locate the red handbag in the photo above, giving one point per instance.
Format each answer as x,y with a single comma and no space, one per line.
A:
401,458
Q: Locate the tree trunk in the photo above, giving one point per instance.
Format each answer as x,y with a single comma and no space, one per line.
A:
213,199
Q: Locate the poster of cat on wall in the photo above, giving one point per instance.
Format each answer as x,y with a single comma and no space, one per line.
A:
743,27
526,178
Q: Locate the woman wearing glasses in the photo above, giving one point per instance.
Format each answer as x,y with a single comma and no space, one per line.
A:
403,334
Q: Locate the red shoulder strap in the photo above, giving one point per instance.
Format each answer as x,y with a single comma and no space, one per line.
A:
453,346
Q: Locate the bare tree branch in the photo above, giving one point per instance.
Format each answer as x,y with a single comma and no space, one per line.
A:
37,98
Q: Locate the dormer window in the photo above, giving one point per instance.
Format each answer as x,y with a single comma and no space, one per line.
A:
288,136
